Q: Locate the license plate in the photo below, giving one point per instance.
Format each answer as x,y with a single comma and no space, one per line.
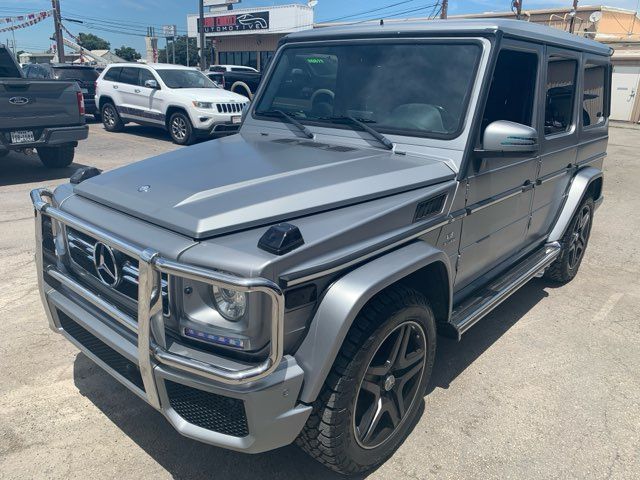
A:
236,119
22,136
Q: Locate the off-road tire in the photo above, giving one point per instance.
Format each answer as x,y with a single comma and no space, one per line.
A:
563,269
181,129
329,434
111,118
57,157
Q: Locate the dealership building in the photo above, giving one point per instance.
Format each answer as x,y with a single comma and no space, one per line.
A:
248,36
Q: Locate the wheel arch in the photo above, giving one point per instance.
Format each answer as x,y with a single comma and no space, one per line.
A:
417,265
104,99
587,181
171,109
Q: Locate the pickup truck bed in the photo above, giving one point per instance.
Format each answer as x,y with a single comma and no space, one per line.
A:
44,114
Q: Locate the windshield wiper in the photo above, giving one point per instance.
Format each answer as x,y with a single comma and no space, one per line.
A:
279,113
359,123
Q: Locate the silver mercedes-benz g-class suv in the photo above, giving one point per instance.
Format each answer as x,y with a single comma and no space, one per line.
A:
287,283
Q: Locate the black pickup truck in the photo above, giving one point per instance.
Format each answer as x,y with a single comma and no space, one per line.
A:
243,83
46,115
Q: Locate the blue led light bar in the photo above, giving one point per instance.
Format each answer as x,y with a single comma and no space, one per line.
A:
210,337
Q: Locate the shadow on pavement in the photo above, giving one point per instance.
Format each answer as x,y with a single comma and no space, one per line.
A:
17,168
187,459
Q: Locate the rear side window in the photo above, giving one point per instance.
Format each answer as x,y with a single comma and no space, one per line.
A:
593,96
129,75
561,89
113,74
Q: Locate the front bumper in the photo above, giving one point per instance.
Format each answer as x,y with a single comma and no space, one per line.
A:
249,408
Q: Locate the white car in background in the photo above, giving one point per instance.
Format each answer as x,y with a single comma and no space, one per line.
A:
231,68
179,99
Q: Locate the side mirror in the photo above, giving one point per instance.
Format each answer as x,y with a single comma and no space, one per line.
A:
151,84
504,137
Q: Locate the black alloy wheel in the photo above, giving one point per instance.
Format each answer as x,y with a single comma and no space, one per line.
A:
390,385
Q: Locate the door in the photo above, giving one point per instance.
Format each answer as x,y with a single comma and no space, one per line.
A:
623,91
148,101
499,189
559,145
127,102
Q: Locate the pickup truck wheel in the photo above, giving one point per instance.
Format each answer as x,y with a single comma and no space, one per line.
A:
372,395
111,118
574,244
56,157
180,129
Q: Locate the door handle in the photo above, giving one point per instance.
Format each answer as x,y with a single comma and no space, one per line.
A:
115,87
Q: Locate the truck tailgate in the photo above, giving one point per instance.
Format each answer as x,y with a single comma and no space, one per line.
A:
37,103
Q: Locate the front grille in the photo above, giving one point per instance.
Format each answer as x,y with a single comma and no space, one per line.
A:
104,352
81,251
208,410
230,107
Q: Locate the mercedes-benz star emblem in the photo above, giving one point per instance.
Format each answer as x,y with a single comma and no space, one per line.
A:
104,259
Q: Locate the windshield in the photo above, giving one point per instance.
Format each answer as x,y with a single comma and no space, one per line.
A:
185,79
408,89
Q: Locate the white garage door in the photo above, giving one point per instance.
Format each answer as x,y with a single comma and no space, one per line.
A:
623,91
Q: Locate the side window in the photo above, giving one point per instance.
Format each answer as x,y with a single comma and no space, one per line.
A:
561,89
513,88
144,76
129,75
113,74
593,95
26,70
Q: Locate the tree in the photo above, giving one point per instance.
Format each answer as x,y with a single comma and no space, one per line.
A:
181,52
127,53
93,42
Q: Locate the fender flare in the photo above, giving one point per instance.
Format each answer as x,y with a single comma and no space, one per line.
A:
577,190
344,300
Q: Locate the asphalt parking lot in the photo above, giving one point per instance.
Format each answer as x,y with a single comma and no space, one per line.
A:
547,386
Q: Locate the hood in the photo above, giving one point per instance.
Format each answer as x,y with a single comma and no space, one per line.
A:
245,181
211,95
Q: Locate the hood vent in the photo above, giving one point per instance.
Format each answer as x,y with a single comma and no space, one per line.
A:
429,207
321,146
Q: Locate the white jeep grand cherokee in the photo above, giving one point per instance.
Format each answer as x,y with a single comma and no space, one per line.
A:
180,99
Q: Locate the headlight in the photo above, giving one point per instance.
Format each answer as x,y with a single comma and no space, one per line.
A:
231,304
202,104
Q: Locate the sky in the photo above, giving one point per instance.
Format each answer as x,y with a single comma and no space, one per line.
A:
124,22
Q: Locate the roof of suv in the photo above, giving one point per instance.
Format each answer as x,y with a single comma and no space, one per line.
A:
155,66
512,28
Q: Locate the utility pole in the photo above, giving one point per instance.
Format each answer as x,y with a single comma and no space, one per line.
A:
58,34
173,46
443,10
203,61
517,4
572,23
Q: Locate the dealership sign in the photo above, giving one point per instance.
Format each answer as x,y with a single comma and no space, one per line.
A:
236,23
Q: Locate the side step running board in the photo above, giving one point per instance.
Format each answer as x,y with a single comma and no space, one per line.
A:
485,299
